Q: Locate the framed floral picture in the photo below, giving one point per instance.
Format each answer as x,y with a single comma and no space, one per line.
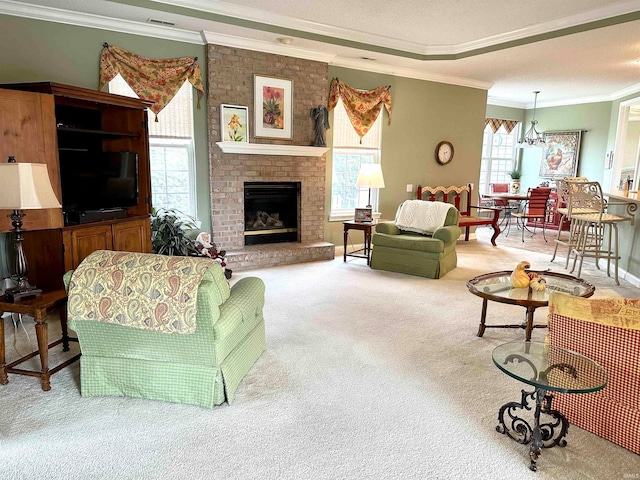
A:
560,154
234,123
273,105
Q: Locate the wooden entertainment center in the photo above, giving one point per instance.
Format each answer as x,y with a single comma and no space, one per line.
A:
46,122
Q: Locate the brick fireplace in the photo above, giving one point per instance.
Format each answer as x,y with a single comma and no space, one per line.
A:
230,81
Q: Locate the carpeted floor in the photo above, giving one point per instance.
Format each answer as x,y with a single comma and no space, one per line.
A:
367,374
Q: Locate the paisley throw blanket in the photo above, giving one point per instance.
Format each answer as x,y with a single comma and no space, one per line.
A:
139,290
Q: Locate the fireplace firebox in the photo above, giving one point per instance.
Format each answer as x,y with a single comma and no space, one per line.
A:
271,212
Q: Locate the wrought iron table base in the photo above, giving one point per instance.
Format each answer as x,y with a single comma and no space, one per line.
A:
540,436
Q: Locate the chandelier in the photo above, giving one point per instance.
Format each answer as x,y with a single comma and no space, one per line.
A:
532,138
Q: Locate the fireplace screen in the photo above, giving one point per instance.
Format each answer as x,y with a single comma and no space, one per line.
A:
271,212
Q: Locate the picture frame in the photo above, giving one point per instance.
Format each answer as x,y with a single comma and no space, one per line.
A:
273,107
363,215
234,123
560,154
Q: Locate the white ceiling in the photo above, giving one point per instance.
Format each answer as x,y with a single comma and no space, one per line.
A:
597,64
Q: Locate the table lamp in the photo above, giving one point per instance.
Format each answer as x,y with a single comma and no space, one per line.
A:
370,176
24,186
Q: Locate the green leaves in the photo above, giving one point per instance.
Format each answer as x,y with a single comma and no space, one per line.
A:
169,229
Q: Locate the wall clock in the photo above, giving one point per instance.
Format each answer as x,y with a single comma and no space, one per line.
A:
444,152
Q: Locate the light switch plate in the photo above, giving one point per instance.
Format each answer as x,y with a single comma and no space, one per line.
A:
409,187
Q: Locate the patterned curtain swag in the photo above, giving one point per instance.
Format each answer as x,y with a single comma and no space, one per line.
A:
155,80
363,107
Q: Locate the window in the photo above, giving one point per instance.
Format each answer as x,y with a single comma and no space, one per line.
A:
498,157
348,155
171,149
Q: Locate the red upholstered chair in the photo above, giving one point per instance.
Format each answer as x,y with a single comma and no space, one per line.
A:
535,210
607,330
499,188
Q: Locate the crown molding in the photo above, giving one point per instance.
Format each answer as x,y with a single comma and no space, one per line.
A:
268,19
505,103
624,8
374,67
39,12
266,47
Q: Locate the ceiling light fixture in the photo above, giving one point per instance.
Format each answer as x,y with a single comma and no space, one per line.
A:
532,138
285,40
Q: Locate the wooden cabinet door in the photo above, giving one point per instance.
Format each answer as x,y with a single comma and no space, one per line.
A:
132,236
87,240
28,126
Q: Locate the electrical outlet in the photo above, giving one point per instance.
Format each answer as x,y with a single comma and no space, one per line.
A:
409,187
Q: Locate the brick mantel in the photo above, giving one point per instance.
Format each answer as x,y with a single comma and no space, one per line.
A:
271,149
230,81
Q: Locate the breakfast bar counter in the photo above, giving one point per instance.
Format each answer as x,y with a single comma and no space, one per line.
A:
629,233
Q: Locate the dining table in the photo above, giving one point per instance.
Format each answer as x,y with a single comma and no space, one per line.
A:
507,207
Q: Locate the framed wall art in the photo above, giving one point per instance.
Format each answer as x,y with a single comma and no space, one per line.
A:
273,106
363,215
234,123
560,154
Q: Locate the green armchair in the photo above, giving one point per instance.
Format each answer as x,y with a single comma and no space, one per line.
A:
202,365
430,256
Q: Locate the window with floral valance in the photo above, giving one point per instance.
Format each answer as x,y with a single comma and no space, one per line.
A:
154,80
362,106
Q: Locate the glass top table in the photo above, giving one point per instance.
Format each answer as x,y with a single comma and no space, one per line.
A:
552,368
496,286
546,368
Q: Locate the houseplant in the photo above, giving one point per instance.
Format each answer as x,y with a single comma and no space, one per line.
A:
169,233
515,181
175,233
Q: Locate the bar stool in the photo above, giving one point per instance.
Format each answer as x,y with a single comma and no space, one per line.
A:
592,228
567,207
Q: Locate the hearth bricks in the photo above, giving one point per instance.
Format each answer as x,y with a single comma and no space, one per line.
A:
230,81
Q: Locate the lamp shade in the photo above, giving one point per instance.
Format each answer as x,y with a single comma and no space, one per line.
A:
26,186
370,176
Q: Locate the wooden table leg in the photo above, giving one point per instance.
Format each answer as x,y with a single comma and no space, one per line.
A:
346,238
62,311
43,346
367,245
483,317
3,368
529,327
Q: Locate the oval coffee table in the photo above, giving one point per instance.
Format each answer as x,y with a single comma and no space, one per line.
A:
546,368
497,287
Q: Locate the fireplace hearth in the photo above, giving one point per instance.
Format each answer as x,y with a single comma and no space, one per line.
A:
271,212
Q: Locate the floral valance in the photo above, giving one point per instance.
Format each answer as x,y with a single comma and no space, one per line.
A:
363,107
496,123
155,80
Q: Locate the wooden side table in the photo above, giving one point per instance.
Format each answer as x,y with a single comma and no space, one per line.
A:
365,251
38,309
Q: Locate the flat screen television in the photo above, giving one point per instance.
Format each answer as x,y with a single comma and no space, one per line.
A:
98,181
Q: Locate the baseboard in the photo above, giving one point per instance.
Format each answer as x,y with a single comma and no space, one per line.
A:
622,274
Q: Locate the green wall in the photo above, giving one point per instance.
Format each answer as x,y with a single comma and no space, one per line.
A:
592,118
424,113
38,51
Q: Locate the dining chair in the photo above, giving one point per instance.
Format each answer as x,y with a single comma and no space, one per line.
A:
507,206
499,188
535,211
